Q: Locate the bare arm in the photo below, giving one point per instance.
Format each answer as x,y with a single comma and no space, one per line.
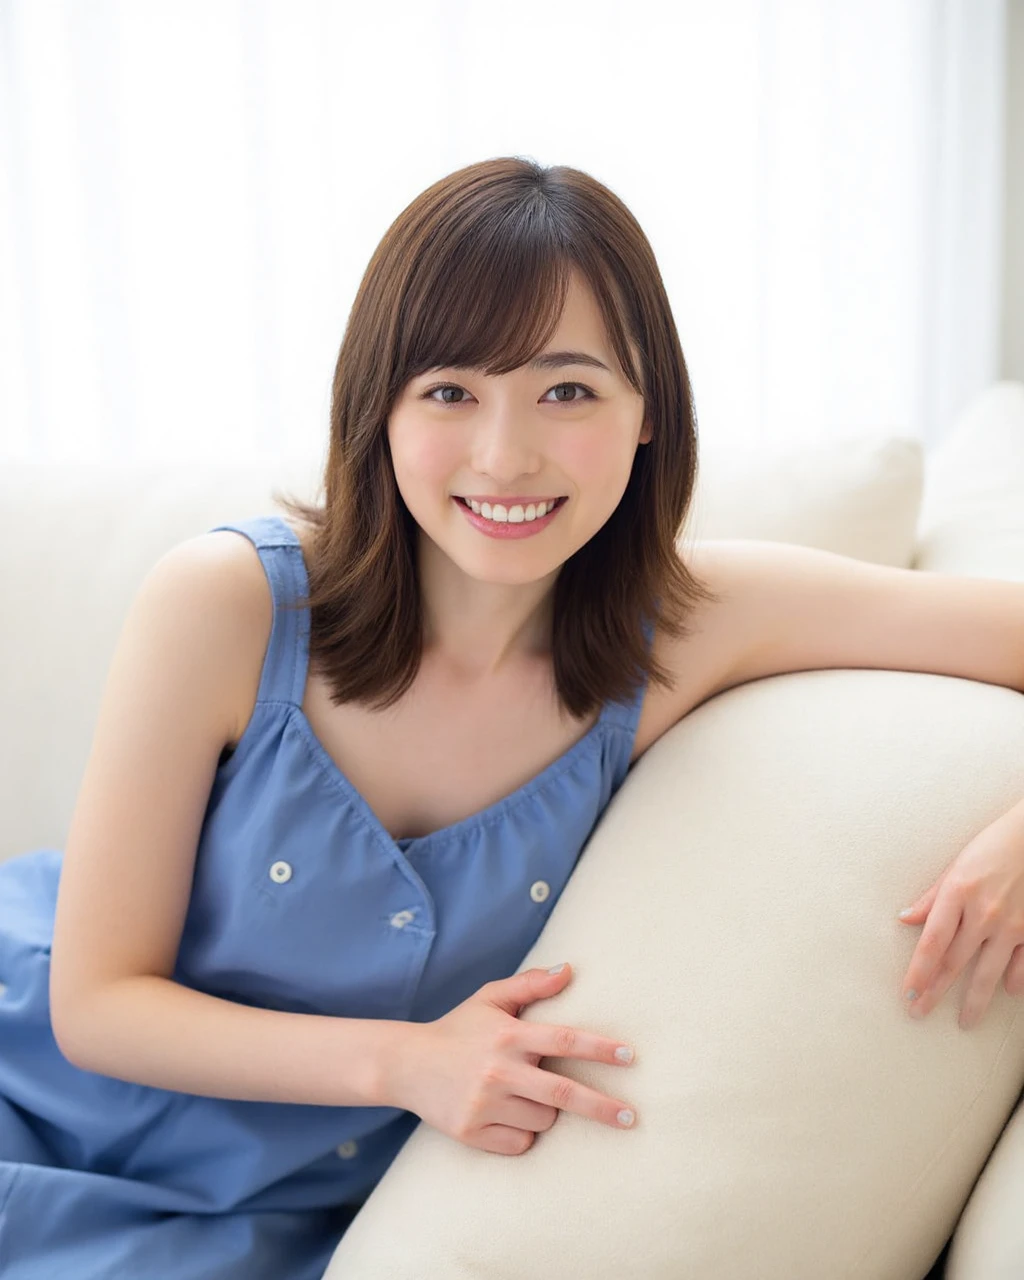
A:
150,1030
182,683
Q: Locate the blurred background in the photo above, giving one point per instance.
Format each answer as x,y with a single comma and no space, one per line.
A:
190,192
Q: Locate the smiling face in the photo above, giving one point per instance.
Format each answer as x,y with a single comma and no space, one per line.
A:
567,432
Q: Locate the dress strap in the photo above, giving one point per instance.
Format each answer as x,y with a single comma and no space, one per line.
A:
287,658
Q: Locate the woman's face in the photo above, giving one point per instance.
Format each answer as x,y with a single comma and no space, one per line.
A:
520,435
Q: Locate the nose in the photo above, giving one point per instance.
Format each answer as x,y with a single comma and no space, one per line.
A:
505,447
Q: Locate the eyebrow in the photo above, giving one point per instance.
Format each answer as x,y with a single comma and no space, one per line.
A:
558,360
555,360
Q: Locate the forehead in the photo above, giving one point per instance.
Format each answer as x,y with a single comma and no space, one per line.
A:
581,325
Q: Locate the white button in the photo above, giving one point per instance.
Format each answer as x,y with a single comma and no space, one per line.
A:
539,890
400,919
347,1150
280,872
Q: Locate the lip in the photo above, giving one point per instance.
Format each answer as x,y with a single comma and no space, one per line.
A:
504,529
507,502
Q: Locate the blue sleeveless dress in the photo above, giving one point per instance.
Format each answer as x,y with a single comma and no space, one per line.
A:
301,902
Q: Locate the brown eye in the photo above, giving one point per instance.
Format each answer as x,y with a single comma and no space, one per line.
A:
587,394
445,386
451,386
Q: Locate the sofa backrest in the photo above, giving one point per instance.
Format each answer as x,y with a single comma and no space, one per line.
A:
80,539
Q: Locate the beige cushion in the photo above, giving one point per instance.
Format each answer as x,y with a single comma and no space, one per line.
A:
858,495
972,512
80,540
972,522
989,1239
734,916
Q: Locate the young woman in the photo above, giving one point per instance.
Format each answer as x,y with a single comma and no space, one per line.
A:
348,758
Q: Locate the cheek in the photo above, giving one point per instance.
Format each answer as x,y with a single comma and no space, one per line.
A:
599,469
421,459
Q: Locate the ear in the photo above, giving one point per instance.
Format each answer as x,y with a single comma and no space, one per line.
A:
646,434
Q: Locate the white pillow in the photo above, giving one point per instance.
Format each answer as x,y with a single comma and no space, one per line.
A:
734,916
858,495
972,509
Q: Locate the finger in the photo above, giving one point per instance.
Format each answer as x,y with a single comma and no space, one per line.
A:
553,1090
502,1140
548,1040
948,968
916,912
939,930
1014,980
513,994
521,1113
992,961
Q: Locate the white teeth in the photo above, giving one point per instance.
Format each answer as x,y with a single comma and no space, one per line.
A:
514,515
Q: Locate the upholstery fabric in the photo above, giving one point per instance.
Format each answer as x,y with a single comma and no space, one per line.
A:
734,917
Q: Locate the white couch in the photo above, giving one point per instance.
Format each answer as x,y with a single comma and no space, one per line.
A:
733,915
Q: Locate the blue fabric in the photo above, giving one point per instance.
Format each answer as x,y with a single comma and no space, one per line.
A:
101,1178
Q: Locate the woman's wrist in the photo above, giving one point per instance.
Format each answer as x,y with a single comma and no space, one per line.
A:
394,1060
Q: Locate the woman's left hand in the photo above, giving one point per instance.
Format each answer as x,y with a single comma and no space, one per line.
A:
976,905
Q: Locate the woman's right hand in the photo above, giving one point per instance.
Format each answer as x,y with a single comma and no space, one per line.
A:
473,1073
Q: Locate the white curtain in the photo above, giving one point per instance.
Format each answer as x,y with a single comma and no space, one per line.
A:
190,191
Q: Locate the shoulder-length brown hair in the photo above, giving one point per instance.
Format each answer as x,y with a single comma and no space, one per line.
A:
475,272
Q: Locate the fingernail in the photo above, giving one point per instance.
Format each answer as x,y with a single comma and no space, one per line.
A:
624,1053
625,1118
907,911
557,968
911,994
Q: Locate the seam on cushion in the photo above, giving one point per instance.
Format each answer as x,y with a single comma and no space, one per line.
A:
854,1272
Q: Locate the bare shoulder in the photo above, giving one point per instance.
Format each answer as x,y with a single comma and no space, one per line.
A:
230,581
228,564
709,660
